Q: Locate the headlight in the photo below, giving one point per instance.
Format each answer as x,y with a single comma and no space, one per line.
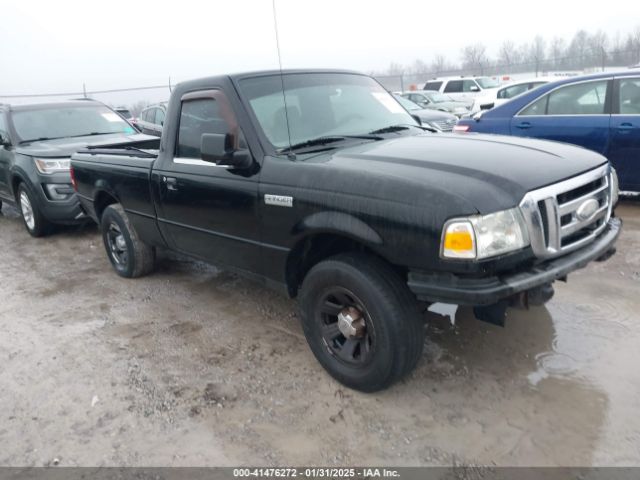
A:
483,236
615,187
52,165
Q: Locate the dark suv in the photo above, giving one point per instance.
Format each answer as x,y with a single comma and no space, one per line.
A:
36,142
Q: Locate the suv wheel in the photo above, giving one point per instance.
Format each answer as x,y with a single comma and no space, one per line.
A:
129,256
34,221
361,321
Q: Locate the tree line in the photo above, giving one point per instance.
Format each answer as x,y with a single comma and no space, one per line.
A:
583,51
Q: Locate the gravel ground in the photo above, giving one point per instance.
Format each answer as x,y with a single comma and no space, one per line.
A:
193,366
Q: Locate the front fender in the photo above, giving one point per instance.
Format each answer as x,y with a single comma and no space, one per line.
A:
338,223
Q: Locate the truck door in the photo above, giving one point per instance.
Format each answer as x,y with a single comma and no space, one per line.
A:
624,152
576,113
203,209
5,159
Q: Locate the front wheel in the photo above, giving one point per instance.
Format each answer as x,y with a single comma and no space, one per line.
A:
129,256
32,217
361,321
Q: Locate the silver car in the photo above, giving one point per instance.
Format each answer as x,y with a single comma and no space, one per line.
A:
151,119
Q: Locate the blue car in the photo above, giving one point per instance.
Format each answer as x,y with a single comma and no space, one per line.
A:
600,112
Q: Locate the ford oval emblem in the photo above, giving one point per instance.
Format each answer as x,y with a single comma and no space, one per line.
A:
587,209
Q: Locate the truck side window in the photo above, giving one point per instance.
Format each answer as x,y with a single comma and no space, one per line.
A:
432,86
198,116
454,86
467,86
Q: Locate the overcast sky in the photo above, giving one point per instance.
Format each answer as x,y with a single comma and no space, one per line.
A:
50,46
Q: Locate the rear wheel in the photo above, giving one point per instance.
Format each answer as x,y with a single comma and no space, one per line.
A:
34,221
129,256
361,322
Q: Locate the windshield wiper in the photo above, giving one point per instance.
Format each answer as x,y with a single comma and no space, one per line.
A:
42,139
314,142
91,134
393,128
400,127
39,139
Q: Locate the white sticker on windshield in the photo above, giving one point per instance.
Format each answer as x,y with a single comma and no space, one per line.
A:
112,117
388,101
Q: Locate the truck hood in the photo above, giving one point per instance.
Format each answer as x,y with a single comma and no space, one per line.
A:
487,172
65,147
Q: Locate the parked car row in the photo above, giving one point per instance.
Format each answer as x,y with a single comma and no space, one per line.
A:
437,119
323,185
436,101
463,89
600,112
497,96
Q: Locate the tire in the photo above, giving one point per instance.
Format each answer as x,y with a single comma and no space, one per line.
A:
32,217
129,256
390,344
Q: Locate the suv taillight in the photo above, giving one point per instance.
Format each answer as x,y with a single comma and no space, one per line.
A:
74,184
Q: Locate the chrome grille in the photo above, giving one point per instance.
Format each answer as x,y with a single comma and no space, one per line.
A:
567,215
444,125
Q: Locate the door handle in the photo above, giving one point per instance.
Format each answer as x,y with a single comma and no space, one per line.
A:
171,183
625,126
524,125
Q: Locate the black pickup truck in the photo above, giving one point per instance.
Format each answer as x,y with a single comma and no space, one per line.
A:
320,184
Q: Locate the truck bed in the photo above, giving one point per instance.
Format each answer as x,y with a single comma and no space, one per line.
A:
104,174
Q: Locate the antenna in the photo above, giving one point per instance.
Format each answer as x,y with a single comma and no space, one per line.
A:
284,96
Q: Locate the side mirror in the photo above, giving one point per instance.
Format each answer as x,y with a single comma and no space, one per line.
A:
218,148
474,88
4,141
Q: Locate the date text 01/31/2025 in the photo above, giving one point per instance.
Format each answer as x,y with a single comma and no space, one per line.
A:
315,472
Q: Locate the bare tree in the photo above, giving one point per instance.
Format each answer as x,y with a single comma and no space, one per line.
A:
395,69
633,44
419,67
474,57
508,54
578,49
598,43
440,64
137,107
557,51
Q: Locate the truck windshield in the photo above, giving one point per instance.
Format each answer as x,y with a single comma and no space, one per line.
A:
320,105
486,82
67,121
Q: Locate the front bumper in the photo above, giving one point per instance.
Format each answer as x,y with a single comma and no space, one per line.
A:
66,211
448,288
